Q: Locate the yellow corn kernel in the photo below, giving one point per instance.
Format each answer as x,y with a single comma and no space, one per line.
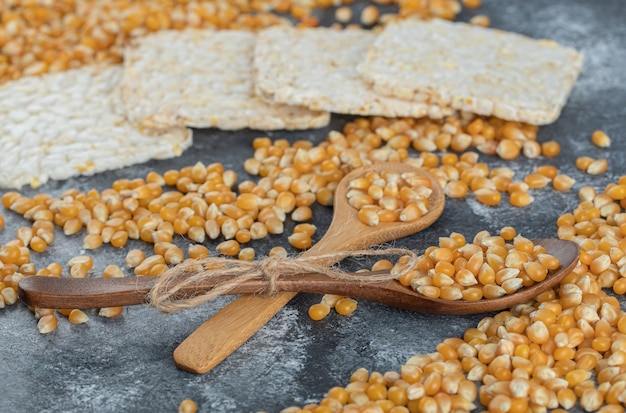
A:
600,139
456,189
187,406
119,239
77,316
493,291
47,323
549,171
508,149
198,252
490,197
37,244
566,398
521,198
480,20
501,182
72,226
583,162
563,182
274,225
577,376
86,260
369,15
550,148
302,213
230,248
157,269
617,192
8,295
324,197
161,247
536,271
412,212
286,201
278,252
345,306
134,258
597,167
319,311
472,4
331,299
536,180
110,312
343,14
112,271
147,264
591,400
508,233
368,216
472,294
173,255
246,254
338,393
243,236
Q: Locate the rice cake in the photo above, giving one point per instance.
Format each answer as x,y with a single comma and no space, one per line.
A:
202,78
316,68
61,125
474,69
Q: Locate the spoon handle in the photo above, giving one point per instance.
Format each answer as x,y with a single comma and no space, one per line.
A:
228,329
53,292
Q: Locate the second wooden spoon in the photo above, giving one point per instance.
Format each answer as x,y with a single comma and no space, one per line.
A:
50,292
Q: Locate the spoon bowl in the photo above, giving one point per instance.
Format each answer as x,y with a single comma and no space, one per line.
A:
49,292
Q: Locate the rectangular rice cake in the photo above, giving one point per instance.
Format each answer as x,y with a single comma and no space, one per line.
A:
316,68
202,78
61,125
474,69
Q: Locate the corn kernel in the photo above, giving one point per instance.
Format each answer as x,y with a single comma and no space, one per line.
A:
600,139
345,306
77,317
187,406
369,15
319,311
230,248
597,167
550,148
47,323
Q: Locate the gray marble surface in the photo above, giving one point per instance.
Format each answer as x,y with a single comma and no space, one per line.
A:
125,364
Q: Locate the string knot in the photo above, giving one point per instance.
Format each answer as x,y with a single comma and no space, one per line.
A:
171,291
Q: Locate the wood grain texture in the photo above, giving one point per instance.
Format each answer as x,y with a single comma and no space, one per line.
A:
52,292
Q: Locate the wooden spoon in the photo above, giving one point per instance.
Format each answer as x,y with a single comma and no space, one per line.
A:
51,292
232,326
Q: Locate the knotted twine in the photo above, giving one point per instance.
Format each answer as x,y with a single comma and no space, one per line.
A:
166,296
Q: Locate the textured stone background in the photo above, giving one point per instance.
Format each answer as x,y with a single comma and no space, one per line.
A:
125,364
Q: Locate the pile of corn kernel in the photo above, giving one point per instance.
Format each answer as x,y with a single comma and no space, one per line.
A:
488,267
389,197
41,36
567,347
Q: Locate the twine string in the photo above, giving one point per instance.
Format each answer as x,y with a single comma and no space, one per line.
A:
166,294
